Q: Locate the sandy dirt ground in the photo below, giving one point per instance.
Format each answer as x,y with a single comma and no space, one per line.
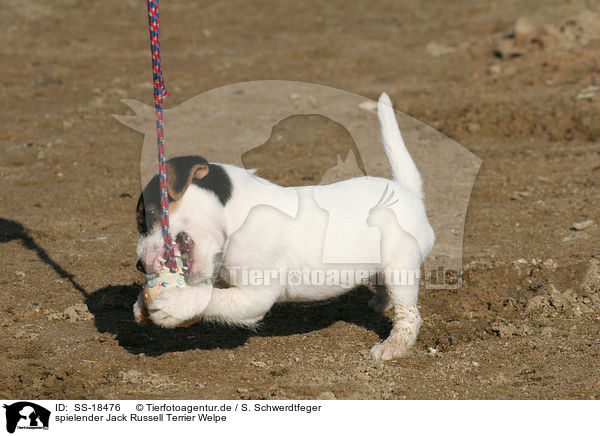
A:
516,83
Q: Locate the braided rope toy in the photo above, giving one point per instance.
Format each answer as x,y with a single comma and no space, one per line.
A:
171,277
160,93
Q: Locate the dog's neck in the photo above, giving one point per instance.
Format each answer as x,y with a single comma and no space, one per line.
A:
251,191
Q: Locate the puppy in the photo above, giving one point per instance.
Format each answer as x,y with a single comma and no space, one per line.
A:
274,244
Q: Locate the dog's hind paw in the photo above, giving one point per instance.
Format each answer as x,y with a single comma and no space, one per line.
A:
389,350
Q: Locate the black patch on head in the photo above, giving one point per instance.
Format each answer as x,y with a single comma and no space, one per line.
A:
217,180
148,206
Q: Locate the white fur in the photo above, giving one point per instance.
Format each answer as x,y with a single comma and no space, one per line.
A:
267,227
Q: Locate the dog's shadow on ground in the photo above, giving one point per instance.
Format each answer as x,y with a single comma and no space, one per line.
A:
112,310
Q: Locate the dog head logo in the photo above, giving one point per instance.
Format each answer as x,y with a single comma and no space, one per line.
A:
227,123
26,415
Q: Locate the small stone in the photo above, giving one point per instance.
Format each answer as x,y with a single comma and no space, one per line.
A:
519,195
294,96
365,353
259,364
548,331
436,49
19,273
368,106
242,390
588,93
60,175
524,31
494,69
550,264
582,225
327,395
432,351
473,127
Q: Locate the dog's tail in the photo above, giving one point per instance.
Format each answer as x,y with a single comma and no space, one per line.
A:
404,169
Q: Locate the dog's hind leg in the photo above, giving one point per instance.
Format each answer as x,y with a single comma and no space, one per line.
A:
402,261
380,302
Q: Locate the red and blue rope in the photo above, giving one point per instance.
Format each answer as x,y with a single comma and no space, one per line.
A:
160,92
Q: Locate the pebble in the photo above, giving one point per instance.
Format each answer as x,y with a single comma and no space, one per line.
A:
327,395
436,49
519,195
548,331
365,353
368,106
259,364
494,69
524,30
242,390
473,127
588,93
582,225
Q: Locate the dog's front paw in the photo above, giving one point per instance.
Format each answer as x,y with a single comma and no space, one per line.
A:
176,307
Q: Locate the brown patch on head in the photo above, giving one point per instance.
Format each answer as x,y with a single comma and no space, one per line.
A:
178,179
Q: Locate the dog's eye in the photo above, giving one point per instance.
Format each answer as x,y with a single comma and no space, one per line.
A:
151,212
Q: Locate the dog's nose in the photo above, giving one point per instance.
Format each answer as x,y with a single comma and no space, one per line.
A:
140,266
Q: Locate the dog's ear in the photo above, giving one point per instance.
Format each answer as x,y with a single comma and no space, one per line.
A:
179,179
